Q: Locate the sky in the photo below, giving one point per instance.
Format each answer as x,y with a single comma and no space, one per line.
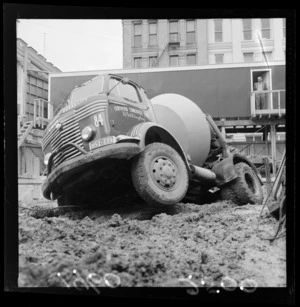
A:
75,45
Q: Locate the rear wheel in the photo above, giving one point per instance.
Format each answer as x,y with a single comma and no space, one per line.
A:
159,175
244,189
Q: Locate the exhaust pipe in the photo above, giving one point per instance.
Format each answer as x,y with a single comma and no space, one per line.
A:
204,175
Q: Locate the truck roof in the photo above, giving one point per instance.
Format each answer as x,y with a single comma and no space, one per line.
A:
108,74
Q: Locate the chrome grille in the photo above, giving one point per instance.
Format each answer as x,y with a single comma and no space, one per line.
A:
71,131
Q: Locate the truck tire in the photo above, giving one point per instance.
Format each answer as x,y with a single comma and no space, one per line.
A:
160,175
245,188
67,199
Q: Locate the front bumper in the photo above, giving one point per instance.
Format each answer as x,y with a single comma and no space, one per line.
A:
118,151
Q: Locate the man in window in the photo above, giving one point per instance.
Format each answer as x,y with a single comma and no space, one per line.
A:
260,97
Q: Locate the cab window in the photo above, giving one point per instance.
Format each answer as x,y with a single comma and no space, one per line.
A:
125,91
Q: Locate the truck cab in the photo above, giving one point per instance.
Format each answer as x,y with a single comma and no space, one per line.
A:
98,113
105,139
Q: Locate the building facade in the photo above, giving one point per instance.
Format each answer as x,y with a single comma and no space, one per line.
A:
32,79
32,97
184,42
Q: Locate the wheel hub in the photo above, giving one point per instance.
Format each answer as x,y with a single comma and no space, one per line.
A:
164,173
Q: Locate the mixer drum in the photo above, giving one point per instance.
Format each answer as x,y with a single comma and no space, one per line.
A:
186,122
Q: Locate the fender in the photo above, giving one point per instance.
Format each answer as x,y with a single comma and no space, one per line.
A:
150,132
225,170
237,157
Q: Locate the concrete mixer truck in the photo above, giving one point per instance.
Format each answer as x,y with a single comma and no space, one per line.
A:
107,137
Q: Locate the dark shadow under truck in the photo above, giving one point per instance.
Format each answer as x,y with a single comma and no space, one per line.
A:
107,138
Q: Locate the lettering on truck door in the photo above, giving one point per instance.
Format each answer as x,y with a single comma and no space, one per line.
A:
126,107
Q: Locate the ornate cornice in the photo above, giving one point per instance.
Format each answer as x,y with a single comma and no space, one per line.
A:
256,44
220,46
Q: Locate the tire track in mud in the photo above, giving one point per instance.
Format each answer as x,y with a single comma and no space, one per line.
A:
146,247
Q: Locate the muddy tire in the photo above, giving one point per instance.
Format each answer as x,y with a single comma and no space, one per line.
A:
245,188
159,175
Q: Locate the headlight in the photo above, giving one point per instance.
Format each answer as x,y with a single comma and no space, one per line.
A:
46,158
87,133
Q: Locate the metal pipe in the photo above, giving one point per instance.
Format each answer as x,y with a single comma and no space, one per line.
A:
34,112
43,114
202,174
219,134
39,112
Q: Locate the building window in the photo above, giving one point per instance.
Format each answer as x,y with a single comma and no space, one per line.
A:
137,35
267,55
265,28
247,29
173,31
174,60
248,56
137,62
284,27
191,59
190,32
218,30
152,34
219,58
152,61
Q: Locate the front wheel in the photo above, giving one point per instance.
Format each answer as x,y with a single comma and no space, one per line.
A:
245,188
160,175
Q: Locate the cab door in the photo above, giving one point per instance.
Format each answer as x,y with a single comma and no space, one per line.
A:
126,106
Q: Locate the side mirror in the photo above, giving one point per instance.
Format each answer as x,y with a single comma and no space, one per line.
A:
125,80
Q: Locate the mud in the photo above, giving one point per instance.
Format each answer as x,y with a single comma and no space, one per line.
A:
136,246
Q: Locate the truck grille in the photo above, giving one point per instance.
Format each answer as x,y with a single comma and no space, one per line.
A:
71,132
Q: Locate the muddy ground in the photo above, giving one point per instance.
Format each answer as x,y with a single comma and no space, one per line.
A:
136,246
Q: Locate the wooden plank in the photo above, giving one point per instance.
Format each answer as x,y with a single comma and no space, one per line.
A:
229,122
248,130
30,181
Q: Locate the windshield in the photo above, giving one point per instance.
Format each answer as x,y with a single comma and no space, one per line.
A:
87,89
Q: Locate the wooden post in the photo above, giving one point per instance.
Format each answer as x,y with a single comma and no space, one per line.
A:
223,130
265,137
267,171
252,104
273,147
279,107
25,76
